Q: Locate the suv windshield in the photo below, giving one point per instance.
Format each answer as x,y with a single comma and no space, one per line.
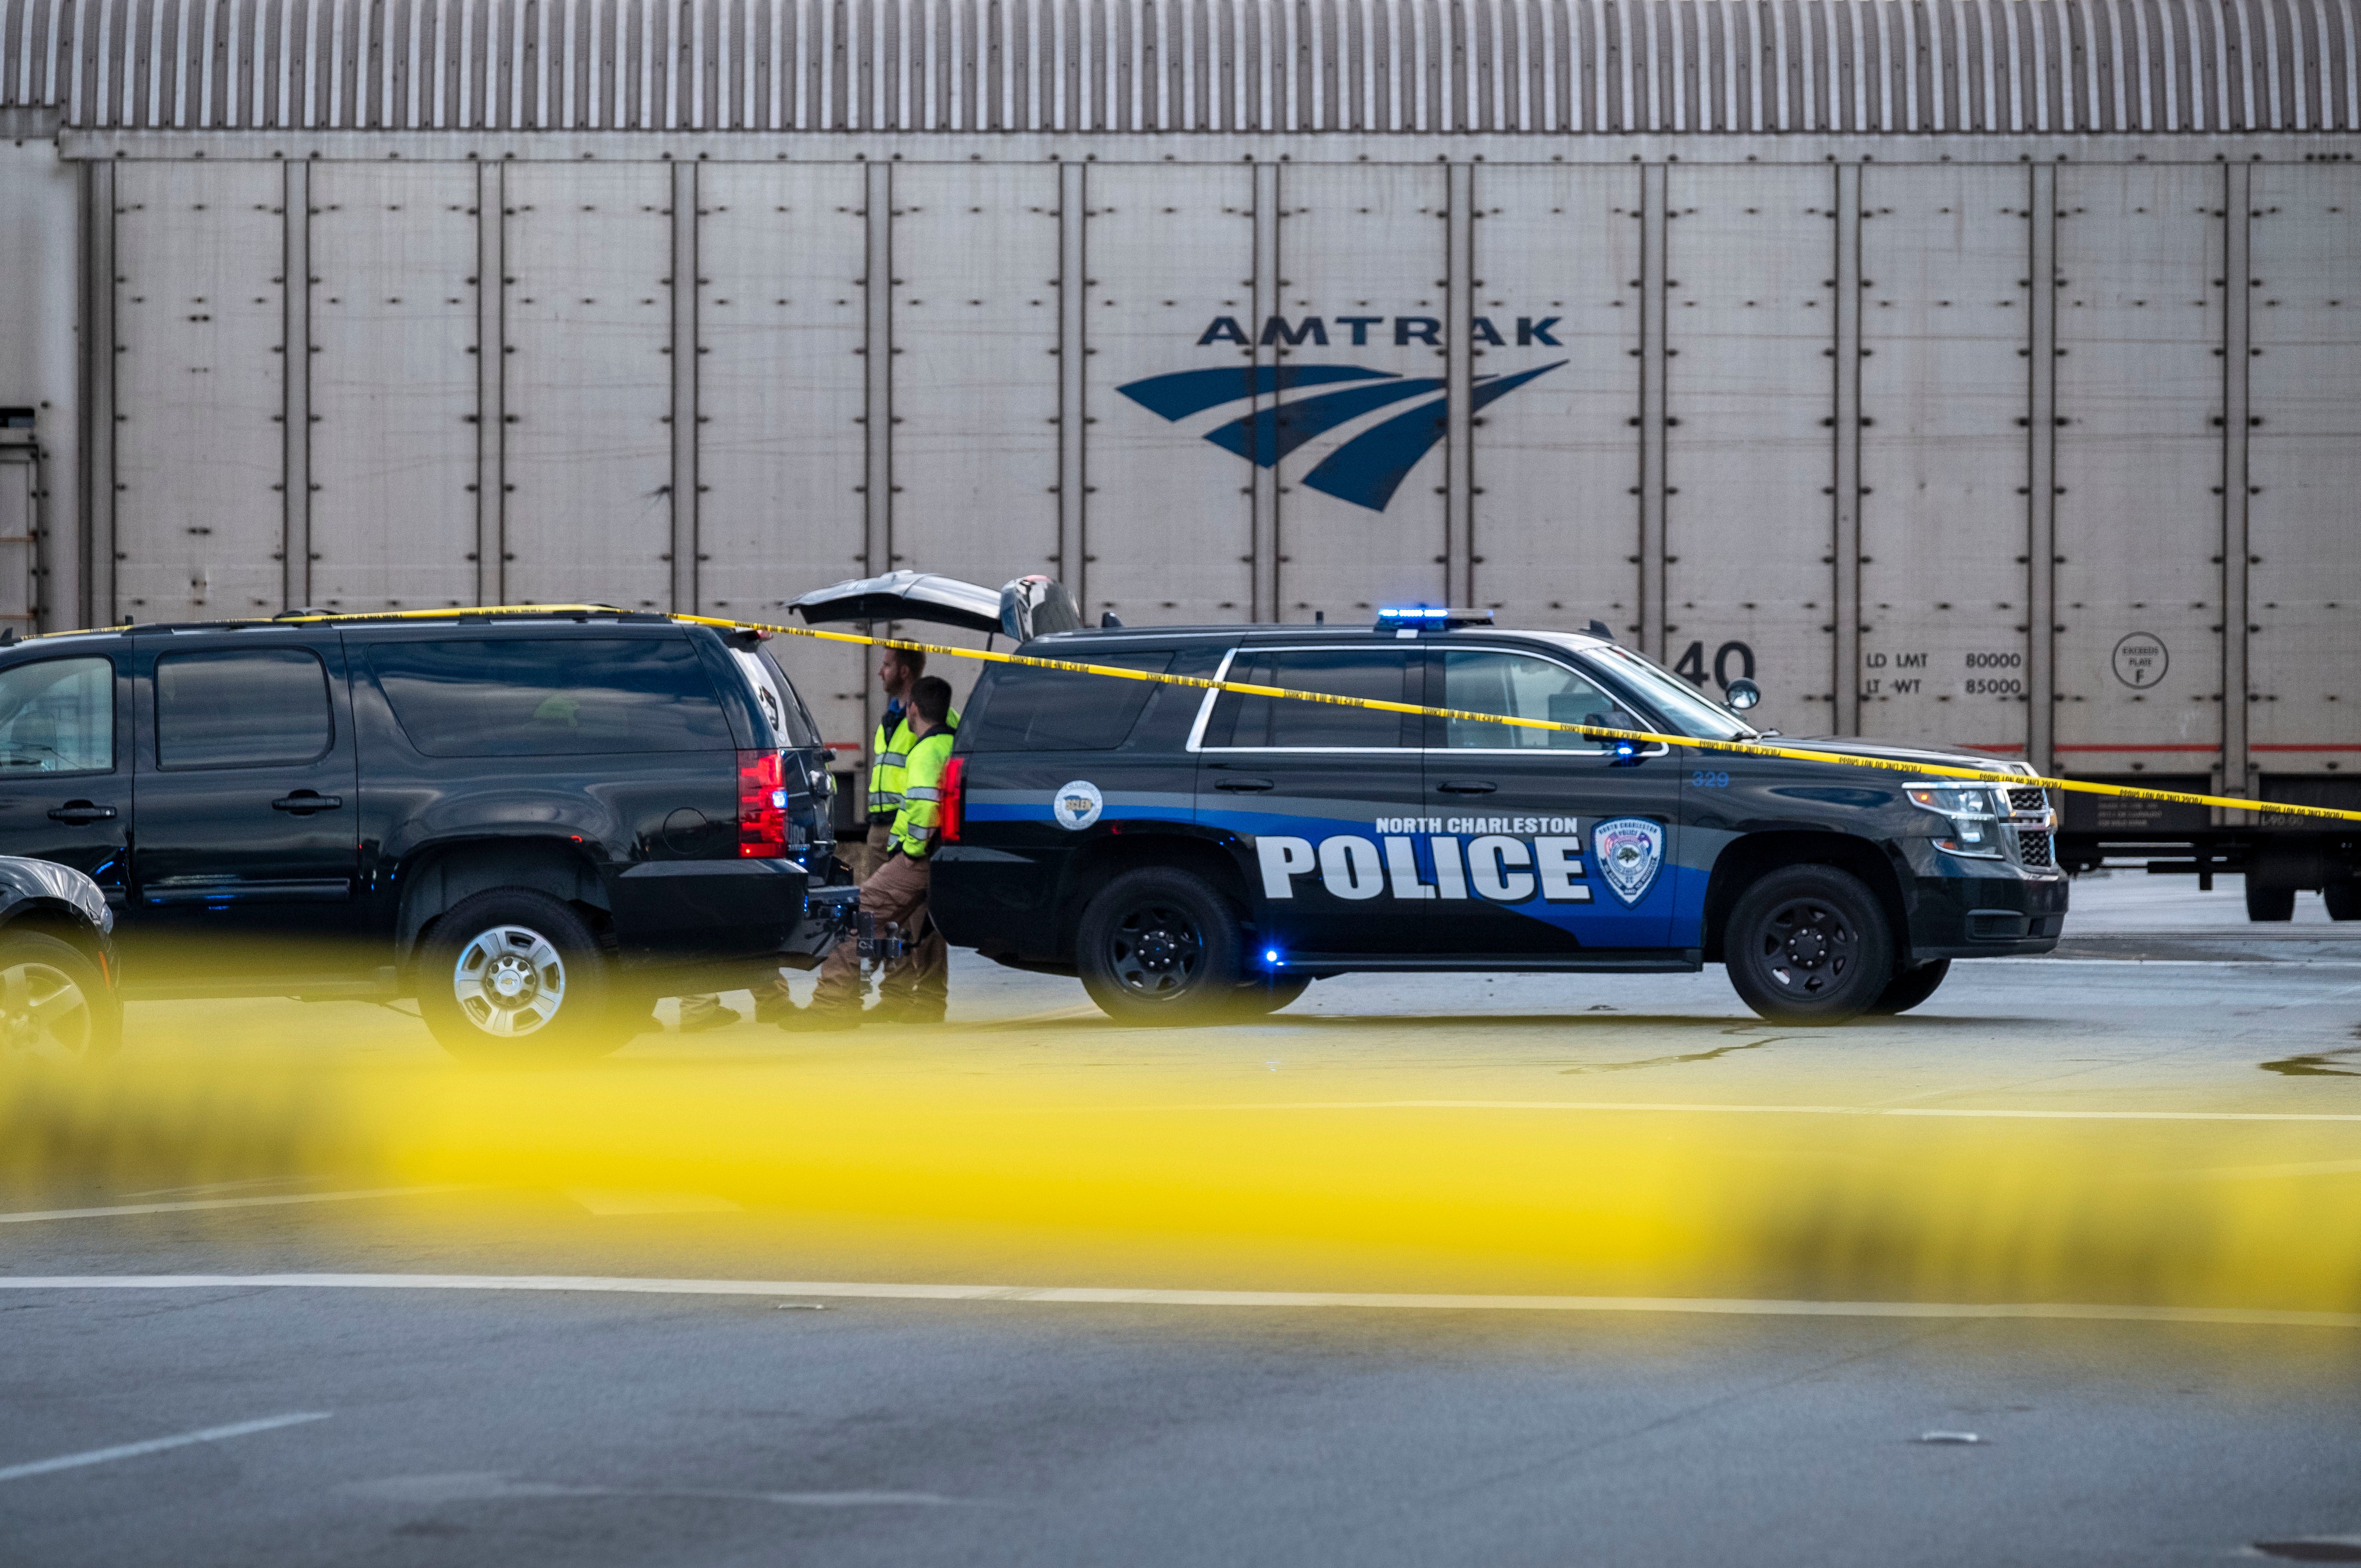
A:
1689,710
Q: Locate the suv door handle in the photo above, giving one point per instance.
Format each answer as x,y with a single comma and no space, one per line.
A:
1467,786
303,802
1242,786
81,811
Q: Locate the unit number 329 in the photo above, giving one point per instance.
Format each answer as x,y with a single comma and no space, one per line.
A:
1701,779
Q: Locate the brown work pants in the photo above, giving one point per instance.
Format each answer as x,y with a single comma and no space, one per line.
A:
920,980
865,857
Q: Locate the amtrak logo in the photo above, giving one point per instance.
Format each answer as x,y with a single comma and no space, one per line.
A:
1627,849
1077,806
1368,466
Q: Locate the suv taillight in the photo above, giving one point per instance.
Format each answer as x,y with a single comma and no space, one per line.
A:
954,798
761,805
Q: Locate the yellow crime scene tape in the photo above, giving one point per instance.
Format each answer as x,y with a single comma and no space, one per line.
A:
1737,747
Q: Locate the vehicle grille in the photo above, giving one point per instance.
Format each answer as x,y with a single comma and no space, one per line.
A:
2031,802
2034,850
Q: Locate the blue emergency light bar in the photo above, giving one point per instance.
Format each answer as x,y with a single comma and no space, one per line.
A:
1423,617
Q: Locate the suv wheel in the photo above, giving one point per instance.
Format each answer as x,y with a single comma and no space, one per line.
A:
1268,993
515,974
2344,900
1910,987
1808,945
1159,947
53,1005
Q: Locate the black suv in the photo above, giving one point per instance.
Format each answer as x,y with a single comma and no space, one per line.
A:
536,824
1194,854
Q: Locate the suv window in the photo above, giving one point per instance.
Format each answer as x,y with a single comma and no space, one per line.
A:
1519,685
1057,710
553,697
1381,674
58,717
241,708
792,721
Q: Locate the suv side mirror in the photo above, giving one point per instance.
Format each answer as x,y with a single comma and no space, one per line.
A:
1741,694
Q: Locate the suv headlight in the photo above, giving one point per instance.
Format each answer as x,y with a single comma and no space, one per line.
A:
1973,812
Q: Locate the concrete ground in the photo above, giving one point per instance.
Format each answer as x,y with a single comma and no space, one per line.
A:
207,1420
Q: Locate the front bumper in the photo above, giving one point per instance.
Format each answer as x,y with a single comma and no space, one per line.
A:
1962,908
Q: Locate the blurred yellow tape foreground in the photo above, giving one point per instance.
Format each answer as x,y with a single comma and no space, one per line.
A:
1740,748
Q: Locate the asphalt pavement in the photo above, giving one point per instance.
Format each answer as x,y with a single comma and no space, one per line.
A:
587,1377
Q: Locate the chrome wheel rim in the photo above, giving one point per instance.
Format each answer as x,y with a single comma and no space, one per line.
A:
510,981
44,1016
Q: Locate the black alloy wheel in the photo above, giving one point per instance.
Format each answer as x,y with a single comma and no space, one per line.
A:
1808,945
1159,947
2344,900
1910,987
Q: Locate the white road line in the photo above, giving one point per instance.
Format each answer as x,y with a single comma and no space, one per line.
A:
158,1445
1686,1109
1099,1296
26,1217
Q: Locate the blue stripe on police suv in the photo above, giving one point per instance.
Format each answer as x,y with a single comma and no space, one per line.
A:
1492,863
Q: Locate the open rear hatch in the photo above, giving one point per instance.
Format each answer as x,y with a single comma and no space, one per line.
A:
1021,608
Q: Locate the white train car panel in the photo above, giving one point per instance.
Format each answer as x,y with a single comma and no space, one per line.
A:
1556,532
587,512
198,327
2304,585
1170,520
781,251
1749,527
393,385
1944,337
2139,470
1361,498
976,302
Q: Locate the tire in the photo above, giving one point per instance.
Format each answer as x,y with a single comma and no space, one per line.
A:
514,975
1160,947
53,1005
2269,903
2344,900
1808,945
1268,994
1910,987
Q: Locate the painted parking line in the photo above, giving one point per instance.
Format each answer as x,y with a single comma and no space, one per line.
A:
1101,1296
1707,1108
187,1205
158,1445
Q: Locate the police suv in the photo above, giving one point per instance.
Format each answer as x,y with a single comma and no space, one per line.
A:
1194,855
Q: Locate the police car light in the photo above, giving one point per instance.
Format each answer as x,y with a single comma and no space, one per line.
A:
1270,957
1416,617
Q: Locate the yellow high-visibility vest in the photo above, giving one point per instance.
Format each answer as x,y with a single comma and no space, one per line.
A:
922,800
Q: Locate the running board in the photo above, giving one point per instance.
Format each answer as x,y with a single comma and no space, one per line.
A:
1597,961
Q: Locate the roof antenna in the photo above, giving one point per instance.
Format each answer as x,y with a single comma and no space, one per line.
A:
1319,618
1602,630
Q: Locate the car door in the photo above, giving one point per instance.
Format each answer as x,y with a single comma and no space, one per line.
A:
65,764
1309,787
1555,843
245,799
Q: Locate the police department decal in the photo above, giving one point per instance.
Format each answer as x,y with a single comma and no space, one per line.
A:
1627,849
1077,806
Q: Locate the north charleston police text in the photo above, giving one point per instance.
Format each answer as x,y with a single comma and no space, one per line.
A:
1493,866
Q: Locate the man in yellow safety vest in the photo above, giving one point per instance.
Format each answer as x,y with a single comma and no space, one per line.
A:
915,986
889,751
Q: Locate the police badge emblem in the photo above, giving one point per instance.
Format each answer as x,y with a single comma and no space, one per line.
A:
1627,849
1077,806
